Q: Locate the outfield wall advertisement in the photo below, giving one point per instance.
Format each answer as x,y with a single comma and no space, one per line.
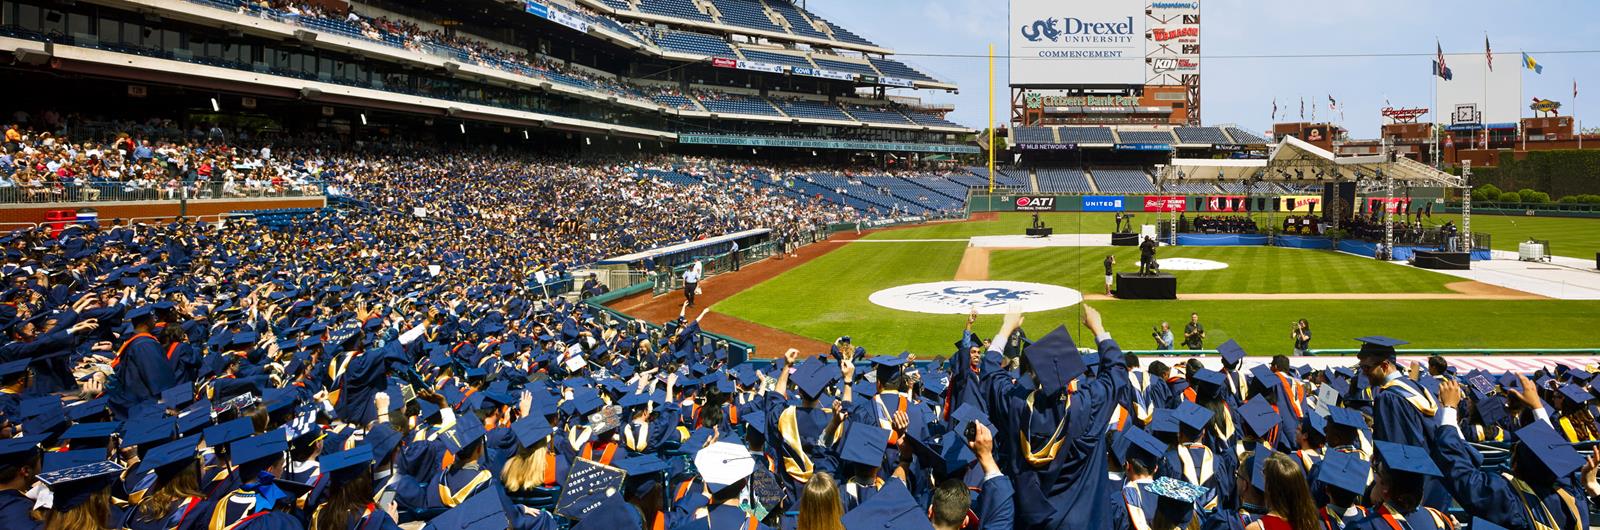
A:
1077,43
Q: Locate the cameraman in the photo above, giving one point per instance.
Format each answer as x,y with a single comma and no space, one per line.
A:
1163,336
1301,333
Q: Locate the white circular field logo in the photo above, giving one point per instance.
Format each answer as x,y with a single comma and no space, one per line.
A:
1190,264
989,297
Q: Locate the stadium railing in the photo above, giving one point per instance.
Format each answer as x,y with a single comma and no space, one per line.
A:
123,192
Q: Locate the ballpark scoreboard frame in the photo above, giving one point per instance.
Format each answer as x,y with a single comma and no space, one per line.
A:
1052,59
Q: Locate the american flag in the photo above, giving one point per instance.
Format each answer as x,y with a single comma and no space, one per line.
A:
1488,55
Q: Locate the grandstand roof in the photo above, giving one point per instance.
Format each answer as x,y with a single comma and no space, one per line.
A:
1294,160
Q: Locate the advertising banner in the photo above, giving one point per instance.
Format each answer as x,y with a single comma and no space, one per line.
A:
1035,203
1103,203
759,67
1300,203
1077,43
1165,203
1395,205
1172,42
825,74
1143,147
895,81
1047,147
1225,203
724,63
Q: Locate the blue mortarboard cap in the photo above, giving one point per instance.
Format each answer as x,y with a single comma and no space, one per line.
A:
229,432
178,396
864,444
1143,446
259,448
1259,416
1346,418
1208,382
1577,394
482,511
1379,345
195,418
1258,464
891,507
968,413
1346,471
531,430
812,377
381,439
1406,458
243,338
169,455
59,460
935,383
139,312
1492,410
1548,449
86,409
865,388
1162,421
1055,361
100,431
1193,416
145,431
643,465
1263,377
1231,352
1316,422
344,463
14,367
888,366
468,431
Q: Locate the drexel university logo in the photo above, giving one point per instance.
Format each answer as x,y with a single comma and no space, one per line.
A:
1042,29
988,297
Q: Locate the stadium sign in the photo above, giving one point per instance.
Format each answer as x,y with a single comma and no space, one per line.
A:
1403,115
1167,65
1035,203
1143,147
724,63
1175,5
555,15
1103,203
1047,147
1191,34
1165,203
825,74
1036,100
895,81
986,297
1054,43
759,66
817,143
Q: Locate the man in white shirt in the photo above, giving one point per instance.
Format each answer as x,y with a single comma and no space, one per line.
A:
691,282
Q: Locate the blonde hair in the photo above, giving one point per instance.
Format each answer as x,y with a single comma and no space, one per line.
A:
92,514
820,508
526,469
175,489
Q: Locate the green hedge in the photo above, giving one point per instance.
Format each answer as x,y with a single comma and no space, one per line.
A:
1559,173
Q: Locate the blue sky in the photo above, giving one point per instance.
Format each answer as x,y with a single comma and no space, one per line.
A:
1241,90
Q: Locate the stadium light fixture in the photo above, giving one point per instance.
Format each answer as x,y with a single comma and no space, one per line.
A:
363,118
214,106
463,128
524,134
588,141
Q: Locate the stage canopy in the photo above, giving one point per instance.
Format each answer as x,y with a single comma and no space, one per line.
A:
1294,161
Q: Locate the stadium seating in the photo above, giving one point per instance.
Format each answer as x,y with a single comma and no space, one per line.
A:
1003,177
1086,135
877,115
1188,187
683,9
929,119
694,43
619,5
746,13
805,108
1245,137
893,68
844,35
774,58
1145,137
737,104
1122,180
842,66
1062,180
798,23
1201,135
675,101
1033,135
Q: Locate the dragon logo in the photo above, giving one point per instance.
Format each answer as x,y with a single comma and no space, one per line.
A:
1042,29
992,294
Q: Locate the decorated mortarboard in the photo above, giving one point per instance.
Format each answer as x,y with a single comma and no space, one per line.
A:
1548,449
146,431
1176,499
1406,458
1379,345
1055,361
229,431
1143,446
74,486
891,507
1259,416
723,464
347,463
169,455
1231,352
864,444
935,383
1192,416
1345,471
1577,394
59,460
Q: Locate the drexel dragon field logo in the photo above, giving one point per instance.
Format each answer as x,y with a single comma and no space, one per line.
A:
988,297
1042,29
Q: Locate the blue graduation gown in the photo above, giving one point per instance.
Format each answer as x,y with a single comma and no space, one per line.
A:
181,516
1395,419
724,517
1129,496
14,508
1492,497
1220,479
1070,489
50,374
364,376
271,520
414,495
1421,519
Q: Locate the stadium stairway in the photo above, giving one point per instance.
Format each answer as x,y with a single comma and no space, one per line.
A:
1033,180
1089,176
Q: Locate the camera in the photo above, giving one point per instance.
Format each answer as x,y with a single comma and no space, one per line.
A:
972,431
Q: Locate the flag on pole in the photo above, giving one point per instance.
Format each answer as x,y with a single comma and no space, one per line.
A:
1275,108
1574,92
1488,55
1332,105
1529,63
1439,68
1302,107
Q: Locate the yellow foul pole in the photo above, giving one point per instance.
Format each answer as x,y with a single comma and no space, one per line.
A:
991,119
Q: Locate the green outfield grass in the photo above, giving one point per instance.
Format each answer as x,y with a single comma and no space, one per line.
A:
827,297
1569,236
1250,270
1012,223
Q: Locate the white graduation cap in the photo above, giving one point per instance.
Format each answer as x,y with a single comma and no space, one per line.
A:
723,464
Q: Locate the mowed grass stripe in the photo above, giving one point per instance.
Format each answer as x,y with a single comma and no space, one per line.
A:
1250,270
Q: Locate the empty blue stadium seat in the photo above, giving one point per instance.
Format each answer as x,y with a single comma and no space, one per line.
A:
893,68
854,68
877,115
1201,135
1033,135
798,23
1086,135
683,9
1145,137
694,43
737,104
1062,180
821,110
775,58
1122,180
1245,137
747,14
